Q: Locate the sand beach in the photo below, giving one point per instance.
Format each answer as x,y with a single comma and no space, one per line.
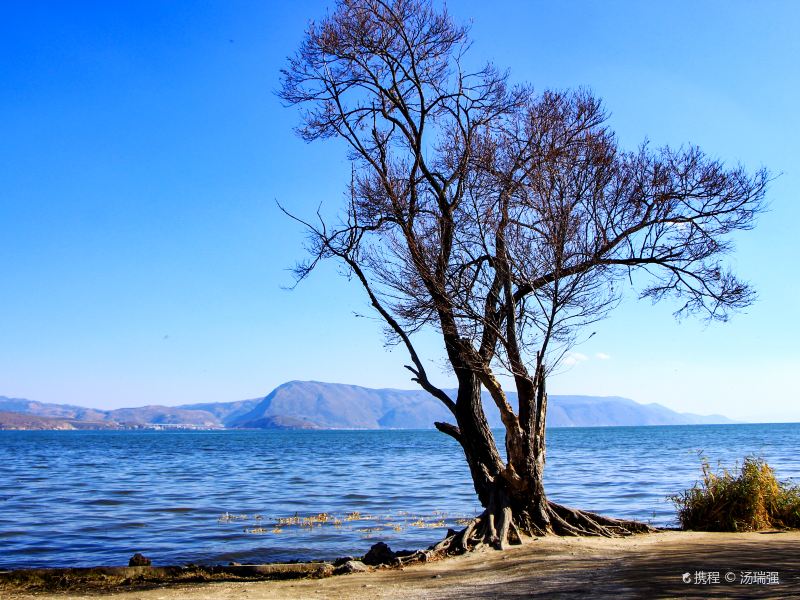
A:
668,564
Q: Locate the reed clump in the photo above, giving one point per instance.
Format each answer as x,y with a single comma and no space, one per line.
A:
751,499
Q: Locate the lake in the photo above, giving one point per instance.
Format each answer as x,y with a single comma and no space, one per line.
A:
84,498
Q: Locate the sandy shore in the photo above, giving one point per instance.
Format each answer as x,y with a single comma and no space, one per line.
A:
647,566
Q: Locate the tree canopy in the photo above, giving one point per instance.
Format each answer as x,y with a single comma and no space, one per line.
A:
504,218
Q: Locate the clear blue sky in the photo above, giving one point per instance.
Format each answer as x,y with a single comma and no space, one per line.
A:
142,150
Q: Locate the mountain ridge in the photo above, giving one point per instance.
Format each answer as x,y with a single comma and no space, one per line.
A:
320,405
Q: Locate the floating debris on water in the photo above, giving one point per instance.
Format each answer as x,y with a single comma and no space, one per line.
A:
352,521
225,517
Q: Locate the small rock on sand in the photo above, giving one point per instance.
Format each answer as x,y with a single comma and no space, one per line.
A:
351,566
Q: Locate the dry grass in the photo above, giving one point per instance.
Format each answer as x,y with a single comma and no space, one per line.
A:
348,521
750,500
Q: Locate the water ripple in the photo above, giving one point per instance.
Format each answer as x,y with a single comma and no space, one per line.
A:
87,497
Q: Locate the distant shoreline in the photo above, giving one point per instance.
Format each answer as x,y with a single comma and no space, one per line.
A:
190,429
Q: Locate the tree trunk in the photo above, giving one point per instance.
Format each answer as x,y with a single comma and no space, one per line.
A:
512,494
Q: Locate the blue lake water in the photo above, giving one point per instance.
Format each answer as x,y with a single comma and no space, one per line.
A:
81,498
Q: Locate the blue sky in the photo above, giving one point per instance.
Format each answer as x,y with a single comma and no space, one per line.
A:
142,150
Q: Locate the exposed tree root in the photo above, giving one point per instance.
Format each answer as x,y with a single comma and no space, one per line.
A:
569,521
498,528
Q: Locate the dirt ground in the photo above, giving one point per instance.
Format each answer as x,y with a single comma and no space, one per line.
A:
646,566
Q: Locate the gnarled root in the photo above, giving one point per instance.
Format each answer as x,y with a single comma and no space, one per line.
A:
498,527
569,521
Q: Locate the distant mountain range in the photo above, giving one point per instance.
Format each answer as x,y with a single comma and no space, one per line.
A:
41,415
316,405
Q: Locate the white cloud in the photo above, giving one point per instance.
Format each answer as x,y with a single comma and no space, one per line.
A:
602,356
573,358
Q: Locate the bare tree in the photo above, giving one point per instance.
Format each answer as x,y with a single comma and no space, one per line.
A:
505,220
